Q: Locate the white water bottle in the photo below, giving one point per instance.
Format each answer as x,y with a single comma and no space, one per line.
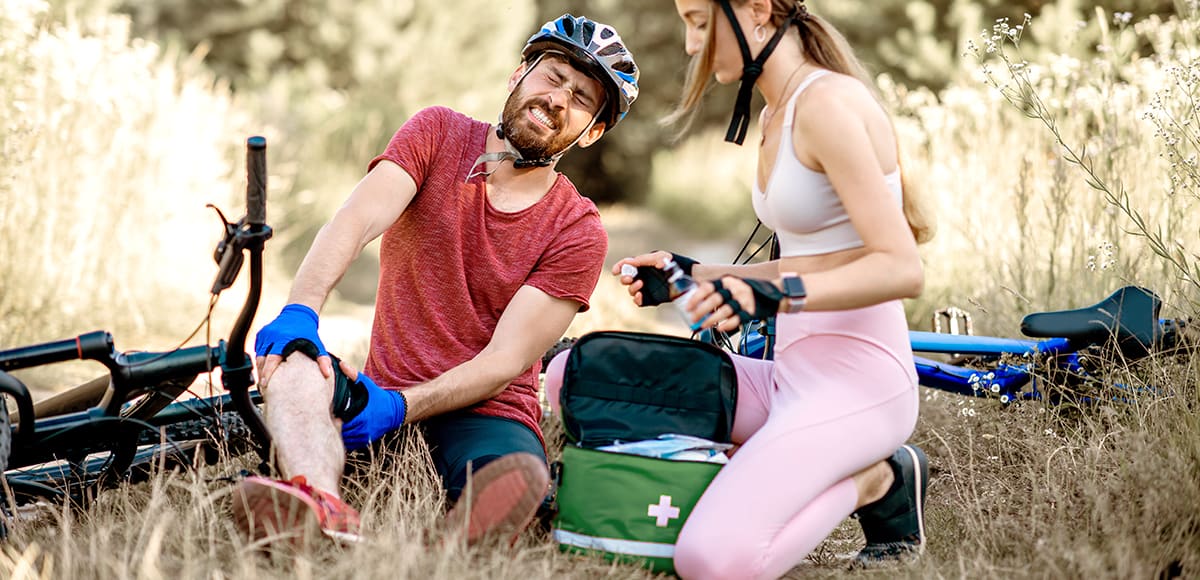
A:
682,288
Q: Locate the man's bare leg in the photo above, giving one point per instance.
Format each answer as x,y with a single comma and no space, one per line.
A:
307,442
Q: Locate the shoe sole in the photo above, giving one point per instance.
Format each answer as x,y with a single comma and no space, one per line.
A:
919,483
502,495
267,510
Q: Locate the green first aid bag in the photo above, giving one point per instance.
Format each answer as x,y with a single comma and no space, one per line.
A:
625,387
627,507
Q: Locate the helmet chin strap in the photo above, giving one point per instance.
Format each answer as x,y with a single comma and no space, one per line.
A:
751,69
511,153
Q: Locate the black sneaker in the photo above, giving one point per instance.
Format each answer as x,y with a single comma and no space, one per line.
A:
895,525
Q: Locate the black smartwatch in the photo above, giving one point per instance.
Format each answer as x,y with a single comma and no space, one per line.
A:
793,290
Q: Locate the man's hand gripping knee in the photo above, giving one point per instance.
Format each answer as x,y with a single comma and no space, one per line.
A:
367,411
295,329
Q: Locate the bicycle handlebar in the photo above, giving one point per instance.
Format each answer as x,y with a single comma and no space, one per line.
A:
129,371
90,346
256,181
237,368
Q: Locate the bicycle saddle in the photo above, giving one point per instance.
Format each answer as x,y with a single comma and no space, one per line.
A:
1128,318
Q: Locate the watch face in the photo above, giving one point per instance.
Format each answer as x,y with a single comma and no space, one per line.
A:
793,287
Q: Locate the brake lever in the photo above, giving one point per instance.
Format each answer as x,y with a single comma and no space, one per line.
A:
229,232
228,253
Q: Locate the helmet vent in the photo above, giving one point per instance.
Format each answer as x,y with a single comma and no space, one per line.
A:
611,50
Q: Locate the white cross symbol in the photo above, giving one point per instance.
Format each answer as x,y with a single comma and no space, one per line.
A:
663,511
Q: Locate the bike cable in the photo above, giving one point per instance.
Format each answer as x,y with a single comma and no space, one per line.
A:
205,322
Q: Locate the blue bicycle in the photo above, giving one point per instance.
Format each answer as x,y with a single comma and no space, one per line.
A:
1065,361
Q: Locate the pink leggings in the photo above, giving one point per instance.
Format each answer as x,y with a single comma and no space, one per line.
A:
840,396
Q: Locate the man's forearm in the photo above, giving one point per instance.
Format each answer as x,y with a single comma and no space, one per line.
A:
530,324
476,380
335,247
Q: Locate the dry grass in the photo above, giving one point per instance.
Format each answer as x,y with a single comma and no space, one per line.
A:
1024,492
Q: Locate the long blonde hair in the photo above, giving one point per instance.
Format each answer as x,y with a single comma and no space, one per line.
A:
825,46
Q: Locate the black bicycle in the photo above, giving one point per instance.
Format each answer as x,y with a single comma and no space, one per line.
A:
139,417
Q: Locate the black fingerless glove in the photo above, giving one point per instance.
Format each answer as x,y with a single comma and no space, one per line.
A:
685,263
655,287
766,299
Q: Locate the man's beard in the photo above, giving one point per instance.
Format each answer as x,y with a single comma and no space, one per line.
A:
529,140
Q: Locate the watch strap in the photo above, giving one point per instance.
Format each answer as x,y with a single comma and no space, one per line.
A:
793,290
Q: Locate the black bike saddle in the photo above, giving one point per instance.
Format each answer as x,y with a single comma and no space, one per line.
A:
1129,315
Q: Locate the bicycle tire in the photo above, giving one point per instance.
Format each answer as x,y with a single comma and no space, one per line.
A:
5,434
563,344
145,408
209,437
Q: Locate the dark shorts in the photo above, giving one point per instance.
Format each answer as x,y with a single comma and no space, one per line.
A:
456,440
460,438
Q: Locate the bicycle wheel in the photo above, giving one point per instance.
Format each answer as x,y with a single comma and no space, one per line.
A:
5,434
5,449
184,434
564,343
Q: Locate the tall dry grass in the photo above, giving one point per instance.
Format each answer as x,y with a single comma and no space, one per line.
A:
178,526
112,147
1024,492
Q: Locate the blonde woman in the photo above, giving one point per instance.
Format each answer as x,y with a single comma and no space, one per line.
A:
820,425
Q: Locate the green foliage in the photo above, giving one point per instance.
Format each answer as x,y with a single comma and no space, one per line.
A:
351,72
919,42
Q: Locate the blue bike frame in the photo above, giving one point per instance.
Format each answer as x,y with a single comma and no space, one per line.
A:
1007,381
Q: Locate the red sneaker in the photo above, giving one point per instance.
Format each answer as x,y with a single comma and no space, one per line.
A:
270,507
502,496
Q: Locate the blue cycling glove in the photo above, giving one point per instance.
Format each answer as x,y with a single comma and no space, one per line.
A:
383,413
294,329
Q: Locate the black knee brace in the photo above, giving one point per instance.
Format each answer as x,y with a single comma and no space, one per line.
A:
349,397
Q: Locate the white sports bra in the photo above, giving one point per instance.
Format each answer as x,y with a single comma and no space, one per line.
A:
800,204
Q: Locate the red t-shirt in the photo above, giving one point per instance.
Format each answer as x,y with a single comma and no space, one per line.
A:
452,262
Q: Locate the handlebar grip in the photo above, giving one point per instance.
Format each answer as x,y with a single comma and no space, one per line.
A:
96,346
256,180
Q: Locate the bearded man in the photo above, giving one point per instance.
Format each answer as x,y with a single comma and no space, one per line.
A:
487,255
